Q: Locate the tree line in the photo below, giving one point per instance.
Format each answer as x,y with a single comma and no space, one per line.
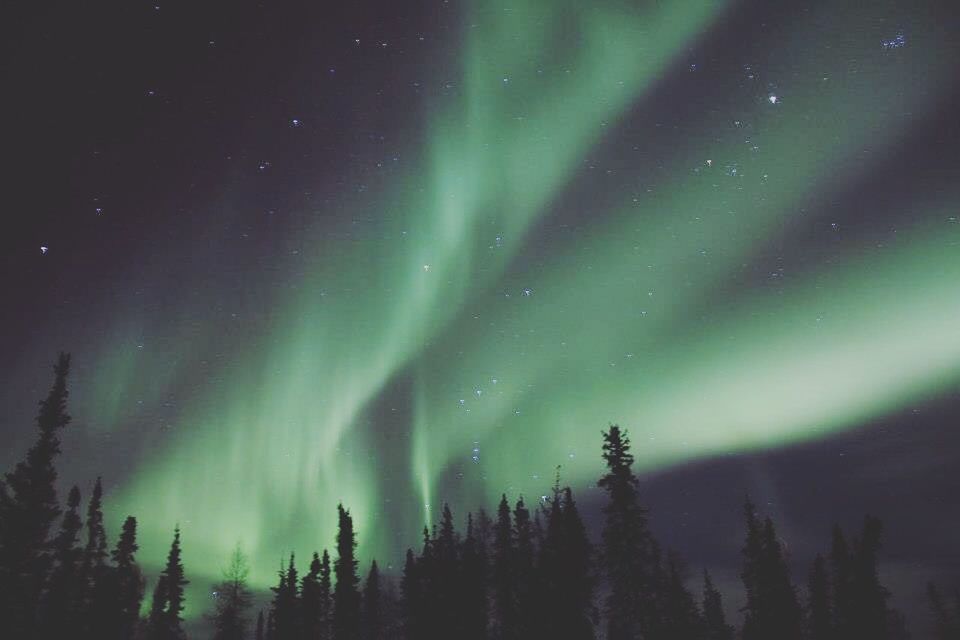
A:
528,571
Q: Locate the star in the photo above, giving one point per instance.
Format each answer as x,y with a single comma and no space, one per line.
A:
44,250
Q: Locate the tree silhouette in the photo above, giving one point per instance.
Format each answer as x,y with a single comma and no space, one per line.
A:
474,580
819,611
714,619
946,618
346,597
61,604
372,605
628,550
286,603
258,634
164,622
233,600
124,591
28,508
772,610
95,574
505,595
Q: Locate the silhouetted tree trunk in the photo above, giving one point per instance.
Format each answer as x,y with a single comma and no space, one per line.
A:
233,600
168,597
819,614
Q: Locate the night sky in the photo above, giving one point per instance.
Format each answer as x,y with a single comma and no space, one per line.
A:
398,254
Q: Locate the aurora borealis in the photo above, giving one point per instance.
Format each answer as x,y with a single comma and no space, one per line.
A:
731,228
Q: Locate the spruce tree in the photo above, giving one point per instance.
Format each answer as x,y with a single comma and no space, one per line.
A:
565,610
474,578
95,573
233,599
946,618
819,613
372,605
628,549
286,603
412,600
680,618
504,575
125,587
168,598
61,604
326,598
523,567
714,619
772,610
28,508
310,599
346,596
258,634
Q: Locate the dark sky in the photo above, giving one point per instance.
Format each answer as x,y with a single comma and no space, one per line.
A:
401,253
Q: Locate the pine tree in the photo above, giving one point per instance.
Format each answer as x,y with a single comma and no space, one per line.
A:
326,598
372,605
125,587
628,549
474,577
680,618
565,582
412,600
233,600
841,573
946,621
446,589
258,635
504,575
168,597
310,606
28,508
523,567
286,603
95,573
772,610
346,597
714,619
61,603
819,614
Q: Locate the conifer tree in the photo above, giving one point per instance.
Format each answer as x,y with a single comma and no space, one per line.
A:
772,610
233,600
286,603
841,574
819,614
523,570
714,619
474,577
326,597
504,575
95,573
28,508
258,634
346,596
567,611
412,599
946,619
168,597
446,588
680,619
310,605
629,553
61,603
372,605
125,587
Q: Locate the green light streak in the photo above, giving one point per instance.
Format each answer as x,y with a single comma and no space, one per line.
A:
291,408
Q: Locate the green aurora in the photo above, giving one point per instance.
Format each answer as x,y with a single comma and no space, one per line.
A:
484,363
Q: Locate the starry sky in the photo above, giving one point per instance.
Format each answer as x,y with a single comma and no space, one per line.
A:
402,254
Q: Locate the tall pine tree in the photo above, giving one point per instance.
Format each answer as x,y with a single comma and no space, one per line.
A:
61,604
165,618
125,587
233,600
28,508
714,619
628,550
346,596
372,618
